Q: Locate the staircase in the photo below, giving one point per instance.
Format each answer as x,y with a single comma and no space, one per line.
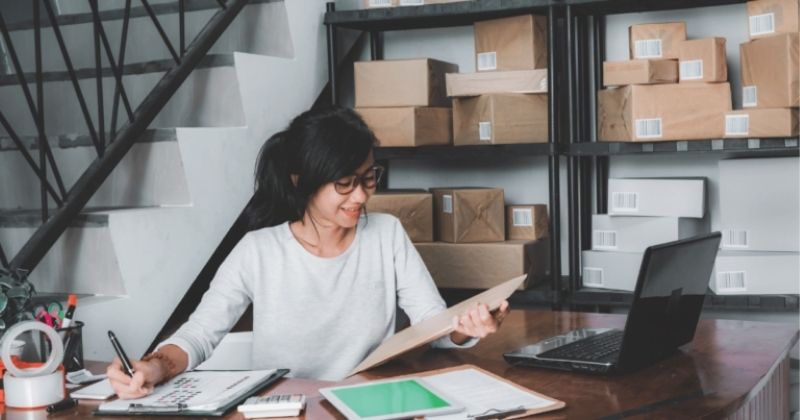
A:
147,232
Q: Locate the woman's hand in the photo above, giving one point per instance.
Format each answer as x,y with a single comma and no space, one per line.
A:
477,322
146,376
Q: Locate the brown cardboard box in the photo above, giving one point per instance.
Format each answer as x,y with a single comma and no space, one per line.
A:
656,40
770,17
515,81
639,72
409,126
526,222
375,4
761,122
500,118
703,60
464,215
770,72
482,266
513,43
414,208
647,113
424,2
393,83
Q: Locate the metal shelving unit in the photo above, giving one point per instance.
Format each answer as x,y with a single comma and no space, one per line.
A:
576,50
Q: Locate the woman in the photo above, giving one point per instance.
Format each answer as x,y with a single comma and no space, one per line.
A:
324,278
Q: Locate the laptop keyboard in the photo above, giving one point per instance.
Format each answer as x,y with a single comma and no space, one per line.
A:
596,348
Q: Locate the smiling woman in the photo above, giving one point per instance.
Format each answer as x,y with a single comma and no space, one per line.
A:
324,279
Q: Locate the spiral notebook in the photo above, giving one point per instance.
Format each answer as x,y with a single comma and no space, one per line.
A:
196,393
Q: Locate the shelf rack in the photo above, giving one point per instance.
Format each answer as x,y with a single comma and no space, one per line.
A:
576,50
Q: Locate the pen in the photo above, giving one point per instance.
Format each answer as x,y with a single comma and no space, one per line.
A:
72,301
121,353
498,414
64,404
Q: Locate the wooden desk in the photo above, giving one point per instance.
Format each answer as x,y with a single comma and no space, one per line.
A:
730,369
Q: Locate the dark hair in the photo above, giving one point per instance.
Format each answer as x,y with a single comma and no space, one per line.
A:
319,146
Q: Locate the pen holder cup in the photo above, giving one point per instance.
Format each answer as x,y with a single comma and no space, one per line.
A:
72,337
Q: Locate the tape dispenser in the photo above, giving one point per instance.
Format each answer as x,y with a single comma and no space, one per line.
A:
35,387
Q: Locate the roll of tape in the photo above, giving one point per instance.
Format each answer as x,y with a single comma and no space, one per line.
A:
34,392
56,353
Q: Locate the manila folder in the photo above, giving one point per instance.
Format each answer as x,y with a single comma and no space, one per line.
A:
436,326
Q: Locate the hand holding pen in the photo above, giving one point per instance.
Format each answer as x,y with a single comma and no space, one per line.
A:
131,379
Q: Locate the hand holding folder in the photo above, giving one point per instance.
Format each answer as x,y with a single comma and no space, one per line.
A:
437,326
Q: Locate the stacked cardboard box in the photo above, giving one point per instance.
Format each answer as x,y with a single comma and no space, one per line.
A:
671,89
642,212
404,101
760,203
471,250
414,208
506,100
770,73
374,4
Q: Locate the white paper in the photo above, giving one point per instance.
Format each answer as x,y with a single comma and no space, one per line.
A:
479,393
99,391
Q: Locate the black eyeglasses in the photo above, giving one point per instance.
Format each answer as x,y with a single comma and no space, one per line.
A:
369,180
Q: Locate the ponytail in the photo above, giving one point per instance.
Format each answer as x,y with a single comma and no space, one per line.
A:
319,146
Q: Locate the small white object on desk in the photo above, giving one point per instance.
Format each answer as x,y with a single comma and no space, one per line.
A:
284,405
98,391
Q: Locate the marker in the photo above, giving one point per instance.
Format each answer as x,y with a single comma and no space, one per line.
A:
126,363
64,404
71,302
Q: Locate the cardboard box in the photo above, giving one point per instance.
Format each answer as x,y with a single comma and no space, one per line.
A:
409,126
649,113
394,83
610,270
671,197
656,40
760,204
414,208
770,17
481,266
512,43
635,234
756,273
468,215
761,123
500,118
424,2
702,60
770,72
515,81
526,222
639,72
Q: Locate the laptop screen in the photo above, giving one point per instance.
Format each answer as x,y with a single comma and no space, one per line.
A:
668,299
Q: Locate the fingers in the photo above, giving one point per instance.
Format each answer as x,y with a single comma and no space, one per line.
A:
479,322
501,313
125,386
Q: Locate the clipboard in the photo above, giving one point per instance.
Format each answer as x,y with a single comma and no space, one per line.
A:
553,404
182,410
435,327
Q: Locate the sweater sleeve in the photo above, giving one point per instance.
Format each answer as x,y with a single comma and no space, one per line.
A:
416,292
224,302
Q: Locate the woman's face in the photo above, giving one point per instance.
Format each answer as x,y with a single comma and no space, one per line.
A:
343,210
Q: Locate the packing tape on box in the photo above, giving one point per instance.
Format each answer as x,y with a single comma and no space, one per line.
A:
32,387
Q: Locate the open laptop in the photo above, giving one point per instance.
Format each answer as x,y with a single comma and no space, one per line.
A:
667,301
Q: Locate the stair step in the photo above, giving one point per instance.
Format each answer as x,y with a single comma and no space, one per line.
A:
66,141
33,219
84,15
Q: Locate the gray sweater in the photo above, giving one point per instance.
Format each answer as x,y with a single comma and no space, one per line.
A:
317,316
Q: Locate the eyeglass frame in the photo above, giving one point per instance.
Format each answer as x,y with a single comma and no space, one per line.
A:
356,180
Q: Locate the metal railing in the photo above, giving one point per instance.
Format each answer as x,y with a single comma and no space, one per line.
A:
110,145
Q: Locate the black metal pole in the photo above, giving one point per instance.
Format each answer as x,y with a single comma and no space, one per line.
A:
98,73
332,56
3,258
37,41
182,26
572,161
161,31
115,70
553,166
28,158
43,239
585,106
601,162
121,64
376,45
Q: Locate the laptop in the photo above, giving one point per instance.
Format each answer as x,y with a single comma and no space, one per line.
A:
667,301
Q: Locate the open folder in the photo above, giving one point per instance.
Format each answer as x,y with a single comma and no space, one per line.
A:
437,326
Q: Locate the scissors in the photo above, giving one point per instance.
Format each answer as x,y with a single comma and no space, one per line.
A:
50,314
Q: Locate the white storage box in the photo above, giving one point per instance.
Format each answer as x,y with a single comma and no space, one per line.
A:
634,234
756,273
674,197
611,270
760,204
